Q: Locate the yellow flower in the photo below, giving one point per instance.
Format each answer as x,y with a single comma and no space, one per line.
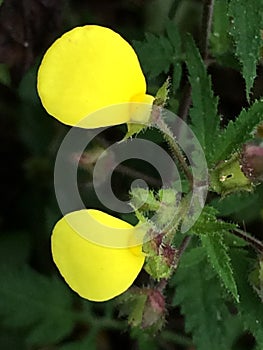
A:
94,271
90,68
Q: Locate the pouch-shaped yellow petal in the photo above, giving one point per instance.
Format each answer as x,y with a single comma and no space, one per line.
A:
89,68
95,272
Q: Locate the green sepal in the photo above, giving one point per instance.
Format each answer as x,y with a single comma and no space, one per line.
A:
228,177
157,267
160,258
133,129
144,307
161,99
132,305
162,95
144,200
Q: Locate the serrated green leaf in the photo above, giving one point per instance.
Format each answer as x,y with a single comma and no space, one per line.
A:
237,132
218,256
250,306
158,53
245,29
155,54
211,232
174,36
234,203
199,294
207,222
205,121
32,301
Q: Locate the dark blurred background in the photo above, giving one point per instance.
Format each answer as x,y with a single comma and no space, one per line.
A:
30,138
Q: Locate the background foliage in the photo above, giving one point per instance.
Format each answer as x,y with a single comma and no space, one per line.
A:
214,299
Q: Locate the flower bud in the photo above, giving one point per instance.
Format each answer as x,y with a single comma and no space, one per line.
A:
252,162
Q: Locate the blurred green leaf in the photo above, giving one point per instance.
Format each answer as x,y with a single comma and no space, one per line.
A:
234,203
35,127
5,78
144,340
88,343
199,294
245,29
15,248
205,120
38,304
237,133
250,306
11,340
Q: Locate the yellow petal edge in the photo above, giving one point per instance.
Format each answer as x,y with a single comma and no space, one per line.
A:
95,272
89,68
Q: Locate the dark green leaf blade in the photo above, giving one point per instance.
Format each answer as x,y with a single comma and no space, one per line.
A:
218,256
205,120
245,19
199,294
250,306
155,54
220,39
158,53
38,303
211,232
237,132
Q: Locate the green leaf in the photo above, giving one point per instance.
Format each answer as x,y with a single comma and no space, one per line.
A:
11,340
158,53
203,114
237,132
245,29
155,54
175,39
199,294
88,343
220,40
5,77
15,248
144,340
32,301
207,222
250,306
211,232
218,255
234,203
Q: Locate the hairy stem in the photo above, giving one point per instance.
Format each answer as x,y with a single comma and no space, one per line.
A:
185,102
164,281
183,246
170,139
255,243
